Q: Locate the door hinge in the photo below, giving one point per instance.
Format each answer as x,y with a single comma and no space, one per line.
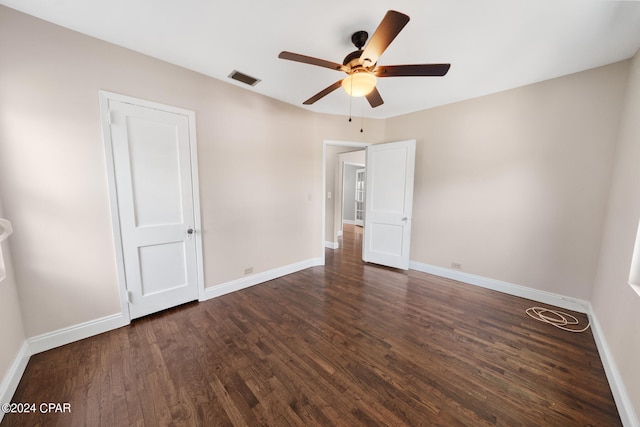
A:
130,297
110,117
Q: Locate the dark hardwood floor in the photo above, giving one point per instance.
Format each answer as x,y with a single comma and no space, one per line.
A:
347,344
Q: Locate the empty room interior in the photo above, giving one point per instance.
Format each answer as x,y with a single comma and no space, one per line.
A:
173,242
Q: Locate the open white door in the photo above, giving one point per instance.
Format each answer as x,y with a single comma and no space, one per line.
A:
388,203
151,151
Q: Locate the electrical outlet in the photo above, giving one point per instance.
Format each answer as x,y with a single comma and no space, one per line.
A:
329,195
456,265
248,270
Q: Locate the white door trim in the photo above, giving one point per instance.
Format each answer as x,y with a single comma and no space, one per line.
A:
104,98
326,143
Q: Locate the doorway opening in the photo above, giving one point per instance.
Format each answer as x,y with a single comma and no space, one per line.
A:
388,200
353,176
350,223
332,200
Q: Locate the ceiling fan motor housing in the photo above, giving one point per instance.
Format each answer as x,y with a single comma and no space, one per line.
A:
359,39
352,59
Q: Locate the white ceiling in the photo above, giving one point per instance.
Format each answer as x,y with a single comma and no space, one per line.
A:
493,45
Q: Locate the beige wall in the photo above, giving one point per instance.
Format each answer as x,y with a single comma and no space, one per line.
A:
616,305
52,173
12,334
513,186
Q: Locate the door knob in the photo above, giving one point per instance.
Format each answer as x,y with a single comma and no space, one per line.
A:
405,218
190,231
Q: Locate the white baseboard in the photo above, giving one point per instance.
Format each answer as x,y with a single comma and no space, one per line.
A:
348,221
562,301
620,395
78,332
331,245
12,378
627,413
246,282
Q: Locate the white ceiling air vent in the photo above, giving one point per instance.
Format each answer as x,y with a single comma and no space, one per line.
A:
241,77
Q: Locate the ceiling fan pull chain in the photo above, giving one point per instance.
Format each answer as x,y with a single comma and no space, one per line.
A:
350,102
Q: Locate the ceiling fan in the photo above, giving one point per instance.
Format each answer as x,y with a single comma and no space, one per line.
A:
361,65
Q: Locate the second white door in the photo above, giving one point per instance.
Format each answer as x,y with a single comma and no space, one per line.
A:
389,203
155,195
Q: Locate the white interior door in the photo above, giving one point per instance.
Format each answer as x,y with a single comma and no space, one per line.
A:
388,203
155,195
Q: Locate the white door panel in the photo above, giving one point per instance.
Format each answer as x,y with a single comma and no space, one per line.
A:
388,203
152,162
169,275
154,153
389,180
386,238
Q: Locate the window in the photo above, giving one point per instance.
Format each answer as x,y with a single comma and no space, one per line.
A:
5,231
3,271
634,272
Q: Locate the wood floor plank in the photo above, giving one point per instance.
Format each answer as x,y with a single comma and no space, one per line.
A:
346,344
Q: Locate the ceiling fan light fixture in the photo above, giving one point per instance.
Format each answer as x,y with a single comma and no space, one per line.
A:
359,83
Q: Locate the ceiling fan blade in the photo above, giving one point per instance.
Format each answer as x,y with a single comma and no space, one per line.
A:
310,60
374,98
412,70
323,93
391,25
